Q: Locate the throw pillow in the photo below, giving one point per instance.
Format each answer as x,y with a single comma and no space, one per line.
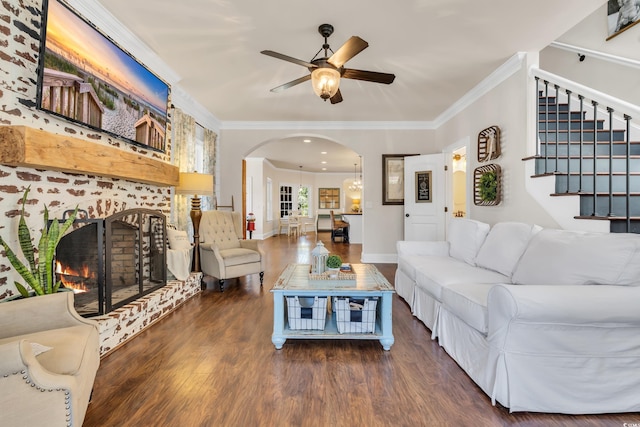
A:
504,246
465,238
178,239
563,257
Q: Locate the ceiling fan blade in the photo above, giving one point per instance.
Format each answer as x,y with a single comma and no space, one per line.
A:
368,76
336,98
348,50
291,83
288,58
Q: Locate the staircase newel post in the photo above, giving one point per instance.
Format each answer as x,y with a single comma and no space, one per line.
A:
595,157
610,110
568,139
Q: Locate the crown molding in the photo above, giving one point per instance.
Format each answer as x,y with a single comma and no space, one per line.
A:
500,74
328,125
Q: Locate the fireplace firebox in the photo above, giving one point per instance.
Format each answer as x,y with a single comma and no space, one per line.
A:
109,262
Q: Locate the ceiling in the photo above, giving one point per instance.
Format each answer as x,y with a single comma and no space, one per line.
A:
438,50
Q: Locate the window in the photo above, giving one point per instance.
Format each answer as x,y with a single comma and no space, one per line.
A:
286,200
303,201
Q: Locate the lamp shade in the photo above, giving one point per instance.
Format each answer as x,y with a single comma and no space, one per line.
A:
195,183
325,82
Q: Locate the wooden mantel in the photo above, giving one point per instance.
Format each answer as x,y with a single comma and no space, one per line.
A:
29,147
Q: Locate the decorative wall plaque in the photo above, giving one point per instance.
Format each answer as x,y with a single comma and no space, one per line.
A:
489,144
487,183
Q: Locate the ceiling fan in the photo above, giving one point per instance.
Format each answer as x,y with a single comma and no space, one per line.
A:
326,71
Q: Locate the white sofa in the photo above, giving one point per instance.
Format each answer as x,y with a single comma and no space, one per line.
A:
543,320
49,357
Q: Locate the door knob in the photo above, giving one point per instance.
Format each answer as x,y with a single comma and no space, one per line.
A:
407,215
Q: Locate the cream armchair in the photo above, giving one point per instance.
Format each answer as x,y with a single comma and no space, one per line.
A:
223,252
49,357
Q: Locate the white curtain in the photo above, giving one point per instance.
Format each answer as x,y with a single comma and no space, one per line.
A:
184,142
209,165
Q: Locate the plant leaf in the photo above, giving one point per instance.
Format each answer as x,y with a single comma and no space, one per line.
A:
23,291
46,257
19,266
24,235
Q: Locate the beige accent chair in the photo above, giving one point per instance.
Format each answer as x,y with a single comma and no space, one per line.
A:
49,357
223,252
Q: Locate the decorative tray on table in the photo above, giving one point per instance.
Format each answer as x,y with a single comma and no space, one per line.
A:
345,275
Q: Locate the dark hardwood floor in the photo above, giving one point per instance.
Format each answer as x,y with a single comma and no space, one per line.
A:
211,363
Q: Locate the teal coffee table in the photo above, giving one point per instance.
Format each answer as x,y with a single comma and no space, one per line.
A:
369,284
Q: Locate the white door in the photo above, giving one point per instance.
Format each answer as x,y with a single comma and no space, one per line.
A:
424,197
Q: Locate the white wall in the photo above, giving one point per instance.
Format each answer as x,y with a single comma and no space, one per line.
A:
614,79
384,223
505,107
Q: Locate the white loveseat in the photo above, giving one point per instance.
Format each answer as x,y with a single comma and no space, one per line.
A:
49,357
542,320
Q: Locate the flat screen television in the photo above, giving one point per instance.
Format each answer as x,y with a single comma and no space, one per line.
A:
85,77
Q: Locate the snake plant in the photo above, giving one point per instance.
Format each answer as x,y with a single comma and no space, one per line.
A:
39,274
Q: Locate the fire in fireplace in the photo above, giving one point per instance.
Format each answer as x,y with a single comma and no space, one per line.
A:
112,261
78,281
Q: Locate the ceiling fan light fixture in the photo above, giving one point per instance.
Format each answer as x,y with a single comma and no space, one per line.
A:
325,82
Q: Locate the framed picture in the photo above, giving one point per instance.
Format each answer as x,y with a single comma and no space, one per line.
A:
622,15
86,78
393,178
423,187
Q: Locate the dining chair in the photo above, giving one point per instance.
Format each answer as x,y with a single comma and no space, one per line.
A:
339,228
293,225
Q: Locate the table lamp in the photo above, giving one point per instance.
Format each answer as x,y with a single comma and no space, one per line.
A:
197,184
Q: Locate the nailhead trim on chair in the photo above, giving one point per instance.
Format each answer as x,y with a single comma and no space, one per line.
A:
67,393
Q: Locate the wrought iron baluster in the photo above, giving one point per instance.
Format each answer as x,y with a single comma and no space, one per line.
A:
581,156
568,139
557,126
627,118
610,110
538,112
595,156
546,125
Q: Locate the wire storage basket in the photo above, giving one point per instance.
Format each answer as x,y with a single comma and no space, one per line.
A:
355,315
306,312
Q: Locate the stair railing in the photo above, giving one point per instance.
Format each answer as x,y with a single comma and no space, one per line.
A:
625,112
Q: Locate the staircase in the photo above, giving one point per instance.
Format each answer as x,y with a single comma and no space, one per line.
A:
577,136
